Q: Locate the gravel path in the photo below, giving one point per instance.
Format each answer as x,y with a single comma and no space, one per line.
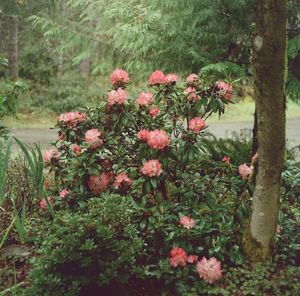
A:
44,136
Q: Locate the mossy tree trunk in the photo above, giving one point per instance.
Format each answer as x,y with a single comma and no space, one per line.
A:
269,62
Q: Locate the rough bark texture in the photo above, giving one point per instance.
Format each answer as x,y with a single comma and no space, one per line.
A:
254,135
269,61
13,48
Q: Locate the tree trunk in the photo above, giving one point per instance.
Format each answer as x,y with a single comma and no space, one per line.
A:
13,48
269,61
254,134
85,67
60,65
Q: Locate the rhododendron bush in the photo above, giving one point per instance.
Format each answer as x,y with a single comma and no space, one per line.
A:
148,150
152,139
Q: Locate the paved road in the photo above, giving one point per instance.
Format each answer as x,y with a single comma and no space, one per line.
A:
44,136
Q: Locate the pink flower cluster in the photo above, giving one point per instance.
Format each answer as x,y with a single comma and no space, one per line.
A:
142,135
121,179
196,125
245,171
64,192
191,94
151,168
92,138
72,118
158,77
99,183
178,257
154,111
192,79
76,149
187,222
158,139
226,159
171,78
144,99
209,269
43,202
50,154
225,90
119,77
117,97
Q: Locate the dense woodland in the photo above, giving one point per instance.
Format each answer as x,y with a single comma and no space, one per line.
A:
59,49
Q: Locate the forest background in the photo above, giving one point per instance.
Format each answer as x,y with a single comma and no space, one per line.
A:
56,54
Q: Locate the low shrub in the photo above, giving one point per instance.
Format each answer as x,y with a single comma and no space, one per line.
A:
98,245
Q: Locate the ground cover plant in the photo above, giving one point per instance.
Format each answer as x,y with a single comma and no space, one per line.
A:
139,200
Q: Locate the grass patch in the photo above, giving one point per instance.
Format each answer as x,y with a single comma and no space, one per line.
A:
244,110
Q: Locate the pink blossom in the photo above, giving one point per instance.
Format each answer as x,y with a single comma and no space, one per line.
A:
192,79
157,77
99,183
92,137
119,76
158,139
76,149
63,193
209,270
72,118
196,125
192,258
117,97
154,111
121,178
50,154
225,89
47,184
278,229
254,158
172,78
178,257
226,159
142,135
245,171
43,202
187,222
191,94
151,168
144,99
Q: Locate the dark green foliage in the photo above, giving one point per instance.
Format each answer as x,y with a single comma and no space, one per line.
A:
270,279
288,242
96,245
238,148
66,93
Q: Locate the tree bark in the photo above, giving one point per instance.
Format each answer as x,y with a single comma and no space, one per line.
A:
13,48
85,67
60,65
269,61
254,134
